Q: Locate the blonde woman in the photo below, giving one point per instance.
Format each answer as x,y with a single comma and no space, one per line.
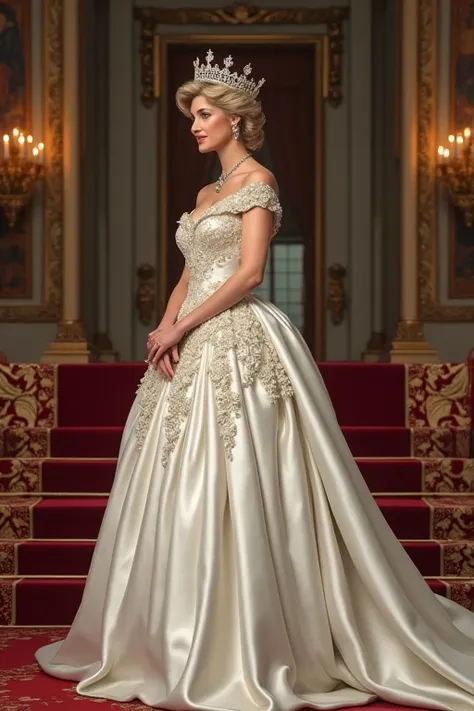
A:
242,562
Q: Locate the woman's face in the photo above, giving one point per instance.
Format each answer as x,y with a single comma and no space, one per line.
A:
211,127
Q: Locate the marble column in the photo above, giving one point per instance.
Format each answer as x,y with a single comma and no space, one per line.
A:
70,344
409,344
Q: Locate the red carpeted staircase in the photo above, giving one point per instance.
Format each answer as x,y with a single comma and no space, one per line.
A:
60,426
408,426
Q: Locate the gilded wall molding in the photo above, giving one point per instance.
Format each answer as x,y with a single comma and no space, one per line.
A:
51,269
431,309
242,14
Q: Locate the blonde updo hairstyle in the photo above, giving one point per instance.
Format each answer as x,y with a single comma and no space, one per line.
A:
233,102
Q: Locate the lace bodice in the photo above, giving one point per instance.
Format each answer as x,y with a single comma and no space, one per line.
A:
211,246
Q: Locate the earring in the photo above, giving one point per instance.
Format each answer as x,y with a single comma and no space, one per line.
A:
235,130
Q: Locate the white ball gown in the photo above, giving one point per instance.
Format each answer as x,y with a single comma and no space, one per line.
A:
242,562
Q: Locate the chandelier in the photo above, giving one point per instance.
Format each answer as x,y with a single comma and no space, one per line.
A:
455,171
21,168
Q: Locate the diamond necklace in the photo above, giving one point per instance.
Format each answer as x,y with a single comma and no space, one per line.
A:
223,176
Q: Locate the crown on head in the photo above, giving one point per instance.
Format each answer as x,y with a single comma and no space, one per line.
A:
207,72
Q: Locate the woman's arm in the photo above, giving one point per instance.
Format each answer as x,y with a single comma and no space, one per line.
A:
176,299
257,227
180,291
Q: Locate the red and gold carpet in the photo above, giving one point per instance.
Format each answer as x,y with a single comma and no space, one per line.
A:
24,687
60,426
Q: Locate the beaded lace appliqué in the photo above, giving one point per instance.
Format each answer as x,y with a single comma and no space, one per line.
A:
236,330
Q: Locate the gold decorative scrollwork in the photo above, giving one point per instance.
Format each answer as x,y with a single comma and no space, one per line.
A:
146,293
147,34
242,14
409,330
71,331
337,300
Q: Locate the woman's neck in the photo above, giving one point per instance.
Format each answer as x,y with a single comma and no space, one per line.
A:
231,154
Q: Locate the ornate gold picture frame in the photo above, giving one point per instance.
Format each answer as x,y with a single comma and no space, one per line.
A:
243,15
431,308
49,309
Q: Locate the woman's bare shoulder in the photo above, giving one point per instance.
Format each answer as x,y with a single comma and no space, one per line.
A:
262,175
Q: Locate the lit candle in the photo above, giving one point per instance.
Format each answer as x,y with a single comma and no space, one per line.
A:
21,143
467,132
6,146
446,153
16,132
35,153
29,140
41,151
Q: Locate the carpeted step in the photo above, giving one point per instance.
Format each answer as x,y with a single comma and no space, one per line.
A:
104,442
436,517
97,442
101,394
57,476
414,395
355,390
45,558
22,518
418,476
54,601
98,394
37,442
84,477
49,557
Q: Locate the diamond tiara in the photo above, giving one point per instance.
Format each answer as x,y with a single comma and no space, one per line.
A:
207,72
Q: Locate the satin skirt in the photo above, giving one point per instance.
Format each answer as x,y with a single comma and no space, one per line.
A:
269,582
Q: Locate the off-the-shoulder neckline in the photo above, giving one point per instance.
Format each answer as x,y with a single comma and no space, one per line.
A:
228,197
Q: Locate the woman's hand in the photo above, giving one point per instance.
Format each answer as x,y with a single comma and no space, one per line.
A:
160,341
164,363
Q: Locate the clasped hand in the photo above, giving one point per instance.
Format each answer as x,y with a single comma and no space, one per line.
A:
162,342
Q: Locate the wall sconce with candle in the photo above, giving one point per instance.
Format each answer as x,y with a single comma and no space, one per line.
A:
455,170
21,168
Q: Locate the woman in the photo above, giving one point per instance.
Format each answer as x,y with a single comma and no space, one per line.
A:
242,562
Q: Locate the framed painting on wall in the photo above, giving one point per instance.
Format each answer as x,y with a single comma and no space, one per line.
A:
433,307
36,30
45,27
15,111
461,237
